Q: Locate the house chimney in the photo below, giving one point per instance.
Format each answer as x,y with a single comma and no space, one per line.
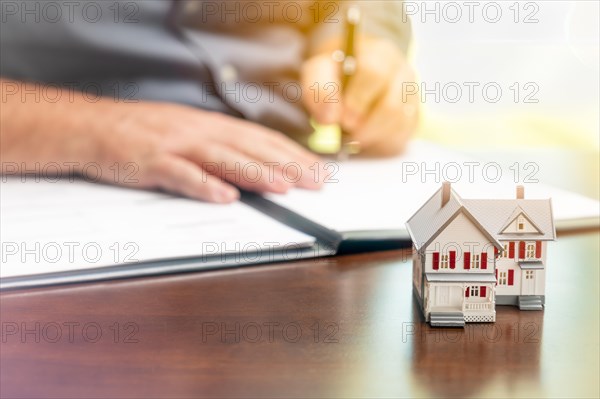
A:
445,193
520,192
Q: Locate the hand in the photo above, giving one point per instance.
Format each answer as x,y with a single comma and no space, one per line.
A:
371,109
198,153
180,149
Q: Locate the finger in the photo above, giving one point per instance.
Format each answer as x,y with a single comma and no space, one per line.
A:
376,65
236,168
275,150
389,125
251,135
310,165
181,176
321,89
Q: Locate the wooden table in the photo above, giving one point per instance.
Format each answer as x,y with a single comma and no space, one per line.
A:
338,327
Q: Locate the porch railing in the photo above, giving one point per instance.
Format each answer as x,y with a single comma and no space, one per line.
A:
477,306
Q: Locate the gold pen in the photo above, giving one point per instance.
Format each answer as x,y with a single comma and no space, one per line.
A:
347,59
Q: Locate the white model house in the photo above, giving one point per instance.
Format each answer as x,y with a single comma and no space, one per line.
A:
470,255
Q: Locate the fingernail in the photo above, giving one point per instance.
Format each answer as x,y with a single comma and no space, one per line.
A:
280,185
334,113
351,119
331,118
225,195
328,114
310,181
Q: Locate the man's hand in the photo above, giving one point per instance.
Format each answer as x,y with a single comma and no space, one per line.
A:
180,149
371,109
203,154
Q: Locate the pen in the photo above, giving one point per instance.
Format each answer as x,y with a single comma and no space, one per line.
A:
347,58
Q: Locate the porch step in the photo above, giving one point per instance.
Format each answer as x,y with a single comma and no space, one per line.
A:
530,302
447,319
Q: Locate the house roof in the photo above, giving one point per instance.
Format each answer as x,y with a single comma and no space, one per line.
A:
490,215
495,214
516,213
430,218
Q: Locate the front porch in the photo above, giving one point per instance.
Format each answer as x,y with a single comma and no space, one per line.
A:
479,309
470,297
447,302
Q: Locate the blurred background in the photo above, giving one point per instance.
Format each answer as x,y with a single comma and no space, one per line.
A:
542,55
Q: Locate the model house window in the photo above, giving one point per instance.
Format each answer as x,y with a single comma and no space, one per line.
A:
520,223
444,262
504,251
502,278
475,290
530,253
475,261
529,275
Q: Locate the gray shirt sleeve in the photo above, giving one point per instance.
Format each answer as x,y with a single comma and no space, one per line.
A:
224,61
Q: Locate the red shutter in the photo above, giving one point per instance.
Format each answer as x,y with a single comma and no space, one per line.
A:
495,252
538,249
452,259
482,291
511,277
484,260
467,260
467,293
511,249
496,276
521,249
436,260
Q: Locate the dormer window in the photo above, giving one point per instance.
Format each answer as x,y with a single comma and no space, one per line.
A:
444,262
520,223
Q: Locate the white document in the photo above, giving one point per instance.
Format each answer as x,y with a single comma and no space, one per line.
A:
382,194
51,227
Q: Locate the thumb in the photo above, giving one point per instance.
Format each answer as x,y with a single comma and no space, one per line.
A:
321,89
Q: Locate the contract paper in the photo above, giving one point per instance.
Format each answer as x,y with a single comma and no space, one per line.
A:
382,194
49,227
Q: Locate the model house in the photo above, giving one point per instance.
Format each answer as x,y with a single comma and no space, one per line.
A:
470,255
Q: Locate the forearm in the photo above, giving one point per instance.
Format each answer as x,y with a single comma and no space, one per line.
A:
41,124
